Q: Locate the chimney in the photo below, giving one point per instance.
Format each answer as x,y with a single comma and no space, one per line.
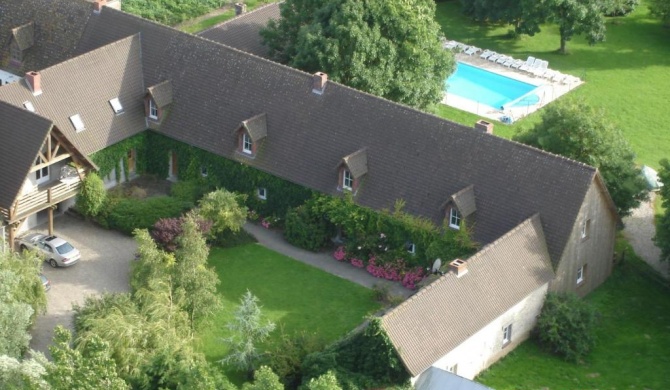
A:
486,127
240,8
34,81
459,267
98,4
320,80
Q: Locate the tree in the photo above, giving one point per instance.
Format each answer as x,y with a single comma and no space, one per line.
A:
389,48
225,209
577,131
90,367
573,17
22,375
662,238
92,195
264,379
248,330
327,381
566,326
661,8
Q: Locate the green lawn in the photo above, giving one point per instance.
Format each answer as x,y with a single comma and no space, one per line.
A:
294,295
633,341
628,75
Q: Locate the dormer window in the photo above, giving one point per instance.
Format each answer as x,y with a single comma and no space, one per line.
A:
153,110
29,106
15,53
454,218
352,169
347,180
116,105
250,134
157,99
77,123
247,143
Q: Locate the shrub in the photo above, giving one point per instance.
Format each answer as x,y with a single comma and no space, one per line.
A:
189,190
92,196
287,356
619,7
229,239
225,209
166,230
566,326
127,215
306,230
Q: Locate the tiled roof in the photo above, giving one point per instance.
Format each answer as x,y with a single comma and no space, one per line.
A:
22,134
357,163
447,312
58,28
243,32
84,85
411,155
465,201
438,379
161,93
257,127
24,35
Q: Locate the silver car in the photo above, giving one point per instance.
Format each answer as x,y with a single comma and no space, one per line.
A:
56,251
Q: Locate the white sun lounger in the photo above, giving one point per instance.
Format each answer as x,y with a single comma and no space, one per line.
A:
528,64
494,57
503,59
472,50
449,45
516,64
509,62
486,53
541,69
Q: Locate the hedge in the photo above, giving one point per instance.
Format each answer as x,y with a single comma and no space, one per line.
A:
126,215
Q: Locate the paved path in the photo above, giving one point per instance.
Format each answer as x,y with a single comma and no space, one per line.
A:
639,230
324,260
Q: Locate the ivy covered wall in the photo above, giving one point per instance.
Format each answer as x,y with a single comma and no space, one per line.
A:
108,159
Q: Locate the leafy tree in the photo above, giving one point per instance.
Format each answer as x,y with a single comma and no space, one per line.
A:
327,381
90,367
389,48
248,330
92,196
661,8
662,238
566,326
287,355
29,289
264,379
225,209
22,375
575,130
14,317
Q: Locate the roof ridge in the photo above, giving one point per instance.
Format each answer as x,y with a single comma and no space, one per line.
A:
513,231
560,157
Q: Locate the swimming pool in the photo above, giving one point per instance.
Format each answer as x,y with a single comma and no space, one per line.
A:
488,88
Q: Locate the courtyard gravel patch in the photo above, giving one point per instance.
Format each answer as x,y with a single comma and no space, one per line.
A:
640,230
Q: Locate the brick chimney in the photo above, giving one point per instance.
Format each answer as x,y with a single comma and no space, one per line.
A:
486,127
34,81
459,267
240,8
320,80
98,4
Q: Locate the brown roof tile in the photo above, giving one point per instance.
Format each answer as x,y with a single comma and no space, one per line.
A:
357,163
465,201
24,35
257,127
161,93
447,312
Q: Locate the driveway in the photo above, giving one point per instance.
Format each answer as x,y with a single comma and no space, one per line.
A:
104,267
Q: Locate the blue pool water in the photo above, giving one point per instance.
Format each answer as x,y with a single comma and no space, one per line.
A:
488,88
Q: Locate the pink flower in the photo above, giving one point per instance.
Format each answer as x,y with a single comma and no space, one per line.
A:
358,263
339,254
265,223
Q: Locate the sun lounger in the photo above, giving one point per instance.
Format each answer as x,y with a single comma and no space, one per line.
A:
528,65
558,77
503,59
471,50
509,62
494,57
486,54
449,45
517,63
462,46
549,74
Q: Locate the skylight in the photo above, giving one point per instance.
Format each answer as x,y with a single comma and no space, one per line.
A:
77,122
29,106
116,105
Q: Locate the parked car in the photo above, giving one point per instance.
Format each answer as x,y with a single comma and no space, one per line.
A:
45,282
56,251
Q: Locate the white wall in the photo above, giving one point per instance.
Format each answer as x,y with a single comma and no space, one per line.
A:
485,347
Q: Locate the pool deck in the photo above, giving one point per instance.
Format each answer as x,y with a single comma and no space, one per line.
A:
548,90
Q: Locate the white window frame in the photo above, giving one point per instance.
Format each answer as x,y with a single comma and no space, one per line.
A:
454,218
42,174
452,369
262,193
247,143
411,248
347,180
580,274
586,228
203,171
153,109
116,105
78,123
507,335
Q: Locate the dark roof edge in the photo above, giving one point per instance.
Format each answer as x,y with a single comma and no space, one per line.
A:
237,17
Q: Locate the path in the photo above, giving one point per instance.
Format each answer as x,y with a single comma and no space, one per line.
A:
324,260
639,230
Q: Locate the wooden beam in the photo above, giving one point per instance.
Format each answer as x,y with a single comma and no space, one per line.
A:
55,151
44,158
12,237
51,221
49,147
53,161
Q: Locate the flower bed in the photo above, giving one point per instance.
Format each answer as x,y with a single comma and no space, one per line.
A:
396,270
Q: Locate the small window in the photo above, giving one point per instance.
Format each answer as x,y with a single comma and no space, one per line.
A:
411,248
116,105
42,174
203,171
581,272
507,335
247,144
153,110
452,369
262,193
454,218
29,106
586,229
77,123
347,180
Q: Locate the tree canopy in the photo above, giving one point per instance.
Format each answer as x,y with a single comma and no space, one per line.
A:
661,8
389,48
577,131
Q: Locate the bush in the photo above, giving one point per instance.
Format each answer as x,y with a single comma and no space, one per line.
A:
305,230
126,215
619,7
566,326
166,230
287,356
92,196
229,239
189,190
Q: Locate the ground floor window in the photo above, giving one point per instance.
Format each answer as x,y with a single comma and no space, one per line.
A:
507,335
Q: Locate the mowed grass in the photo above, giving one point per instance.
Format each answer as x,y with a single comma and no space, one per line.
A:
628,75
296,296
633,341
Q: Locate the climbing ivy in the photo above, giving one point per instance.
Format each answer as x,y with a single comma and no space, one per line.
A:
108,159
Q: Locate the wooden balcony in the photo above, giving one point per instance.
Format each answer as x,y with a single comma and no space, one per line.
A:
42,198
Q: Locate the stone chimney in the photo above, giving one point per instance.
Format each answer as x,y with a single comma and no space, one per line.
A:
116,4
98,4
34,81
320,80
240,8
458,267
484,126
